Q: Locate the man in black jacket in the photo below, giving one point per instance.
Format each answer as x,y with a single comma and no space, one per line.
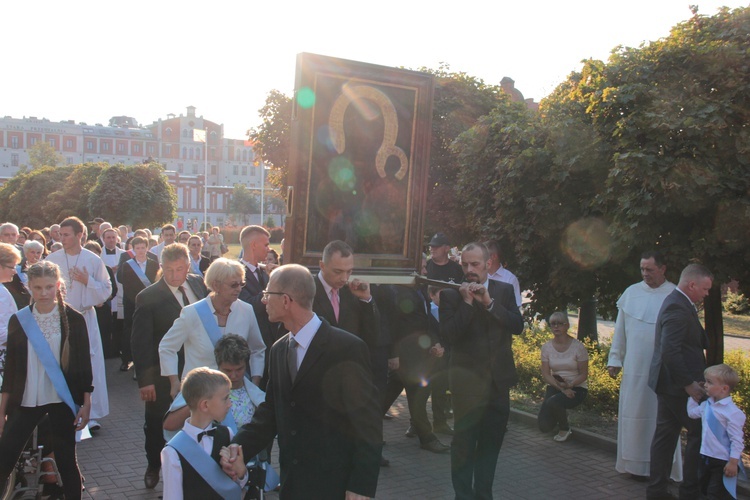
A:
156,308
676,374
478,321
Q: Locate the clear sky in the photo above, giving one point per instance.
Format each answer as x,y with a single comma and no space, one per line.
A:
89,60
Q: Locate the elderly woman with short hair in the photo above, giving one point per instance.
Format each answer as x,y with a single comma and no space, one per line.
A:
202,324
32,253
9,259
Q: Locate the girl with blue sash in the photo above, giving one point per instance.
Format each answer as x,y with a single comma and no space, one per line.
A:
47,372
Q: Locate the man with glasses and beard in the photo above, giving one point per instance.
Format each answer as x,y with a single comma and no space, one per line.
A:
479,320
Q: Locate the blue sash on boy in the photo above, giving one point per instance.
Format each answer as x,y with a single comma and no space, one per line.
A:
208,321
139,272
208,469
44,353
720,432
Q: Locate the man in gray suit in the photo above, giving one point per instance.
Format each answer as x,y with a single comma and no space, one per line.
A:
676,374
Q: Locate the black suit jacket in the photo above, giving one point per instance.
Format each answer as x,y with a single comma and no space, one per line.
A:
131,283
156,308
480,340
678,347
328,421
251,293
355,316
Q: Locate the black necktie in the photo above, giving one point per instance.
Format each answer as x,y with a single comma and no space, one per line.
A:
209,432
291,356
259,272
185,300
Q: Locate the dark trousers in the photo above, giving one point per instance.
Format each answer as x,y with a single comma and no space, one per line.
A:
671,417
104,319
117,326
19,427
126,350
554,410
416,398
439,390
480,425
712,478
152,427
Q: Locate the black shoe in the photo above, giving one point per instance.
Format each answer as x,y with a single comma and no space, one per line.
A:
410,432
388,416
443,428
151,479
640,479
384,462
435,446
125,366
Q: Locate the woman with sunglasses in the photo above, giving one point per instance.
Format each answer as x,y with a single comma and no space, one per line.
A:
203,323
565,368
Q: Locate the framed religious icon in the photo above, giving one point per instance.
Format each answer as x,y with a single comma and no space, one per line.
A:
359,162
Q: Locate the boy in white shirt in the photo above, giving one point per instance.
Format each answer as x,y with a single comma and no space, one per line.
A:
722,435
190,461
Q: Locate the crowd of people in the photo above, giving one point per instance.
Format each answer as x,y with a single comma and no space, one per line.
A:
230,355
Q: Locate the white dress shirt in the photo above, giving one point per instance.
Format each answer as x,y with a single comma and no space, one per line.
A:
506,276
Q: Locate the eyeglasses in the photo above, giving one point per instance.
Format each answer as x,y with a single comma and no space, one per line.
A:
557,323
7,266
235,284
266,293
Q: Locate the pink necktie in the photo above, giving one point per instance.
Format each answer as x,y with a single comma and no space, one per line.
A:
335,303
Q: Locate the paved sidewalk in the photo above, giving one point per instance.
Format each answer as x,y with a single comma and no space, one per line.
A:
531,465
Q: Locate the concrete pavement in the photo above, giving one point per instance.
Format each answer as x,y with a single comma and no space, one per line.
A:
531,465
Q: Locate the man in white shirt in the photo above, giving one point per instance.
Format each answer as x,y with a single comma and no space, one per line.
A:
168,235
498,273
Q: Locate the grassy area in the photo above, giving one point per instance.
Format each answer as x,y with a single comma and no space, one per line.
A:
737,325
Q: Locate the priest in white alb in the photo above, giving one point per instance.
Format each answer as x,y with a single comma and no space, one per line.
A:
87,285
632,350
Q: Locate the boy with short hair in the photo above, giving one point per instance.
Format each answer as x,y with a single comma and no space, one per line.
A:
722,435
190,461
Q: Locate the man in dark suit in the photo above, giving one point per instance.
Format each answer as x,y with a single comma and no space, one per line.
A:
320,400
677,374
255,241
479,320
131,276
156,308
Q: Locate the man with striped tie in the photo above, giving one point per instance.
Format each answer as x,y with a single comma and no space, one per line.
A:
156,308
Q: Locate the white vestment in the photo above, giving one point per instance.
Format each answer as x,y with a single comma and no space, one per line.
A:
632,349
83,298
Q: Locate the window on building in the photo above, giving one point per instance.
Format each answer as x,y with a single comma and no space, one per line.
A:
168,150
136,148
121,148
68,143
192,154
213,138
212,153
14,160
14,142
70,160
32,141
89,145
151,149
184,132
105,146
198,153
195,169
213,169
180,167
244,169
168,132
234,170
244,155
52,142
184,153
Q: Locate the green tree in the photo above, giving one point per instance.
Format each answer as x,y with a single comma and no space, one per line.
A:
138,195
23,198
72,196
243,203
649,150
42,154
272,137
459,101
